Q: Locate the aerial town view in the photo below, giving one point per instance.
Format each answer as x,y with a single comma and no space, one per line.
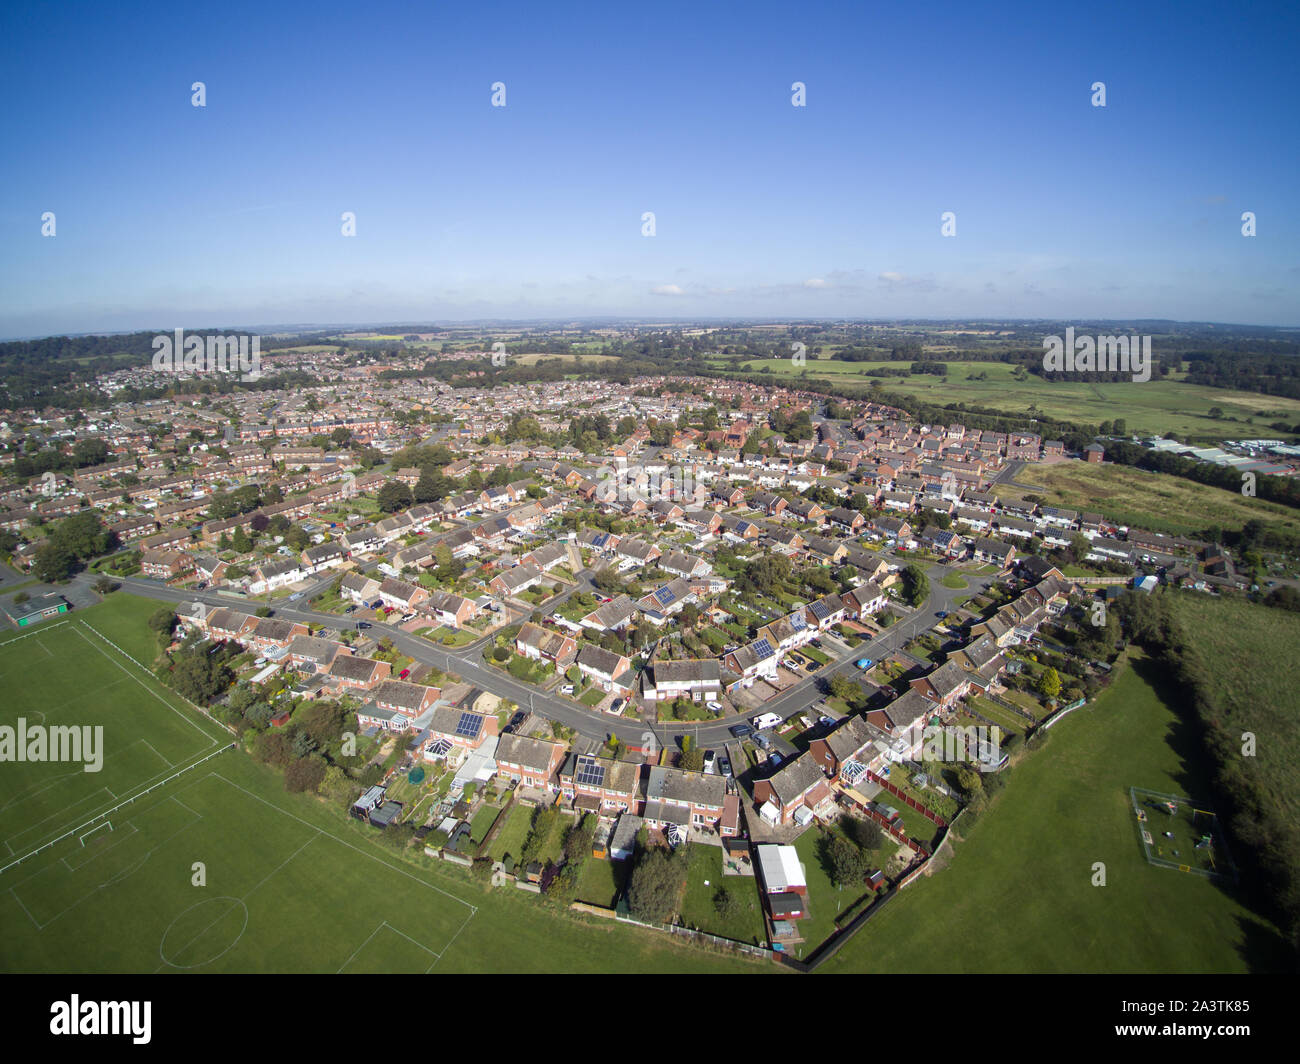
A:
477,500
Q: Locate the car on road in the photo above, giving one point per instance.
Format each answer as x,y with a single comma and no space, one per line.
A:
865,663
295,596
942,614
364,624
741,731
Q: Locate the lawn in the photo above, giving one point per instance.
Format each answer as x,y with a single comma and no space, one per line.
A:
1018,895
703,879
601,882
482,821
1003,718
510,839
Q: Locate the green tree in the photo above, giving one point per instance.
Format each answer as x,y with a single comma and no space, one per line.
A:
916,585
162,622
655,885
394,496
845,862
53,563
1049,683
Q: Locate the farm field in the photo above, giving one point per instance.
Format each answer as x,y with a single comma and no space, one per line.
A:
1018,894
1155,406
533,357
1149,500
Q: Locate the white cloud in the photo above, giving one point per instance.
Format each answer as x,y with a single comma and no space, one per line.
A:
815,282
667,290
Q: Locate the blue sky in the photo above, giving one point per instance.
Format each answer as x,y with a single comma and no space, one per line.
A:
169,215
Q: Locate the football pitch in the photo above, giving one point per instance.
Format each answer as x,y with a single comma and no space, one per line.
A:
207,875
171,859
70,675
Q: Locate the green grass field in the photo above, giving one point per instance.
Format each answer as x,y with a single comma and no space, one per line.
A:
1248,653
289,884
1018,895
65,673
1155,406
1150,500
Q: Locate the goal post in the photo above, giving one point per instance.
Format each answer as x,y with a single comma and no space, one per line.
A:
107,825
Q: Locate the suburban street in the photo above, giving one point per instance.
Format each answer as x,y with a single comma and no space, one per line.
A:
466,662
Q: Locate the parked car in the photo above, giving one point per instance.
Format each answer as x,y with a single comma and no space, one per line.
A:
763,740
295,596
710,761
618,705
765,720
724,765
942,614
567,689
775,759
202,584
404,674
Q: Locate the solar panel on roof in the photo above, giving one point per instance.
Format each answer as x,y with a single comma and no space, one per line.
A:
763,649
590,773
664,596
468,725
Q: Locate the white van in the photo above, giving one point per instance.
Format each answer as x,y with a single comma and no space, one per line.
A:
766,720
